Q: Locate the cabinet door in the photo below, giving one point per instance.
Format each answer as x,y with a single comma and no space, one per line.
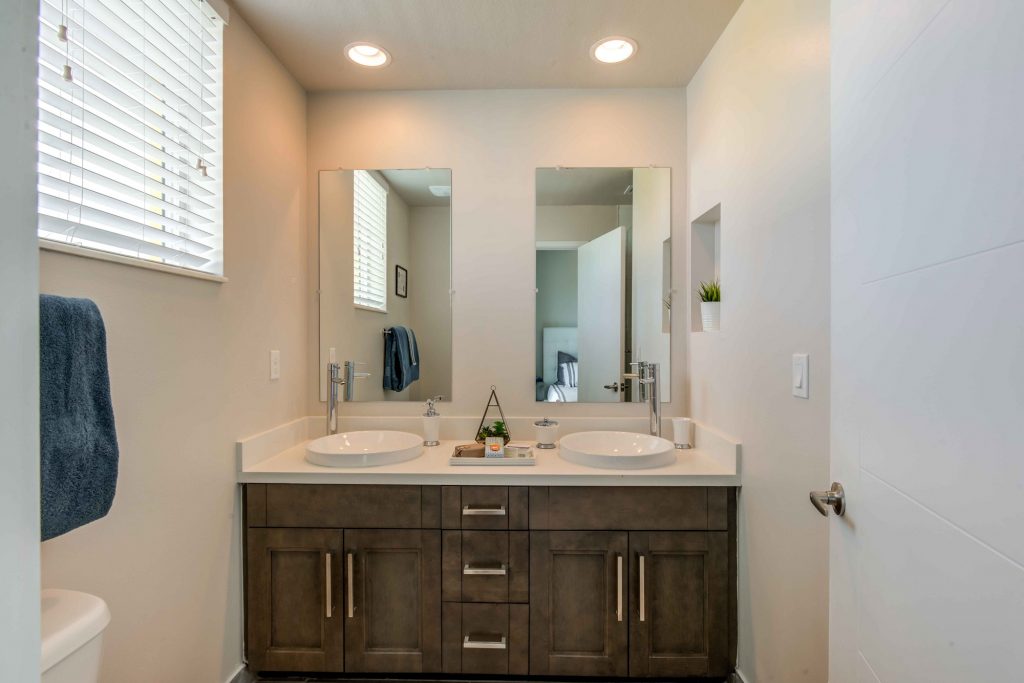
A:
578,603
679,623
292,583
393,601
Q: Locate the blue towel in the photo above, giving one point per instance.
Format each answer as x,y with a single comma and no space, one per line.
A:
401,359
78,444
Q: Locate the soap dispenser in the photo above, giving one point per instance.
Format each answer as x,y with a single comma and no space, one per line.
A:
432,423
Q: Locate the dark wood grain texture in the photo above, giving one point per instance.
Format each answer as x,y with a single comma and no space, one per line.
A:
431,507
287,627
396,621
685,630
255,505
574,582
348,506
655,508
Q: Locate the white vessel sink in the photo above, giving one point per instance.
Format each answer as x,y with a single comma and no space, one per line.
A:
364,449
617,450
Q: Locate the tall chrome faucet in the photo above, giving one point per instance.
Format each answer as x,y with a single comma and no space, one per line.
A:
647,376
334,380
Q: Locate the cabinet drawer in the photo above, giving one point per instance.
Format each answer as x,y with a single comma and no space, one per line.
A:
343,506
484,507
655,508
486,566
485,639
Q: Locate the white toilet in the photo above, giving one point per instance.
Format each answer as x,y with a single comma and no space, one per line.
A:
72,636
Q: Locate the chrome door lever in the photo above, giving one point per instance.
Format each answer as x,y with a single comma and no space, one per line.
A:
835,498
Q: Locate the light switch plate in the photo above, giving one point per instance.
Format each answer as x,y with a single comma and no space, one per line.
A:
801,376
275,364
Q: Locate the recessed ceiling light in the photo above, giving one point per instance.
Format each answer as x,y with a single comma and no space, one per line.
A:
613,49
367,54
440,190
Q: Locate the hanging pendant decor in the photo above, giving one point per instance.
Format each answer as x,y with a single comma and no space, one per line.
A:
499,428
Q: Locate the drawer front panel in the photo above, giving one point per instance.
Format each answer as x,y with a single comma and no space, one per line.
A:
486,639
344,506
486,566
484,507
656,508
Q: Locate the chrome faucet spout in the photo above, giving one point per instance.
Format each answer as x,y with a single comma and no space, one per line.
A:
335,380
647,376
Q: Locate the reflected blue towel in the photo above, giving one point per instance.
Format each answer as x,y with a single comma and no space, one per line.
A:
401,359
78,443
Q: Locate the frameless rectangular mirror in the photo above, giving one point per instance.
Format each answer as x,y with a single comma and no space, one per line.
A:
385,281
604,281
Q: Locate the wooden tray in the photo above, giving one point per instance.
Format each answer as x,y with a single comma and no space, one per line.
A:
473,455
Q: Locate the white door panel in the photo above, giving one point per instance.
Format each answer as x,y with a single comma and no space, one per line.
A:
927,430
601,316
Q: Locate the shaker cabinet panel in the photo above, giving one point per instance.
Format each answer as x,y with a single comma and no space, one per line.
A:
578,603
393,601
293,594
679,625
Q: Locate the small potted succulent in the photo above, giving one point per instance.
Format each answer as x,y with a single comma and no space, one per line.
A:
710,305
495,429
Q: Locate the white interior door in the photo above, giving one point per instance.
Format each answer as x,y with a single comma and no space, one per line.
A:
601,316
927,565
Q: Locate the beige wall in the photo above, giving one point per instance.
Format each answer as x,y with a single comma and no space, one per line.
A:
189,374
19,342
579,223
429,303
758,143
494,141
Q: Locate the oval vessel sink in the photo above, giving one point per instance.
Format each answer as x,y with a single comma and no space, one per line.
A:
617,450
364,449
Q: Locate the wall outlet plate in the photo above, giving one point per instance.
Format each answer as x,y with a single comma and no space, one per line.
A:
275,364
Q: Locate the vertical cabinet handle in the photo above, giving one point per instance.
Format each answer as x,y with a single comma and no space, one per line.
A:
328,598
350,602
618,587
643,612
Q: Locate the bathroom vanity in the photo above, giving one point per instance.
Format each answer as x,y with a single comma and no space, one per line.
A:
556,570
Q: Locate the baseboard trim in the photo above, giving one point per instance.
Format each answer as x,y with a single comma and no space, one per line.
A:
737,677
241,676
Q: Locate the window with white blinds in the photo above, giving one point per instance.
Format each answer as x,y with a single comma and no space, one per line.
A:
130,130
370,241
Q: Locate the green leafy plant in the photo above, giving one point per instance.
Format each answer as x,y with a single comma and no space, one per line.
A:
710,291
496,429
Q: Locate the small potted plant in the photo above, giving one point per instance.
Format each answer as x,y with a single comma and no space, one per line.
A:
710,305
496,429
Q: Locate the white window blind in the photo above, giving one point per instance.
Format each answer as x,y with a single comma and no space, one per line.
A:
130,129
370,247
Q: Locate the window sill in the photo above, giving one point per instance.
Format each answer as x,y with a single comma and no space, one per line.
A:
371,309
95,254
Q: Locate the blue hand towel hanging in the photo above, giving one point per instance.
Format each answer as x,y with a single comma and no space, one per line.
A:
78,442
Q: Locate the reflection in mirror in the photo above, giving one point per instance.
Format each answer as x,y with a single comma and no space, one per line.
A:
385,281
604,281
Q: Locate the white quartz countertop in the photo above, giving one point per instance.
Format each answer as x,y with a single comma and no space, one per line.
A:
279,456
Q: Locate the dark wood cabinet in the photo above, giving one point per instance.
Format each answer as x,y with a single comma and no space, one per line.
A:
579,603
292,590
679,625
393,601
613,582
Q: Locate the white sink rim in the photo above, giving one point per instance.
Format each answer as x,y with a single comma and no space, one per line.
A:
368,448
617,450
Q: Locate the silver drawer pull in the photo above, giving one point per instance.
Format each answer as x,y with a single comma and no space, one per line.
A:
484,642
485,569
478,510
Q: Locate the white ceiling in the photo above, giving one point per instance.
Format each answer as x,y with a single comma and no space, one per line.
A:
468,44
413,184
582,186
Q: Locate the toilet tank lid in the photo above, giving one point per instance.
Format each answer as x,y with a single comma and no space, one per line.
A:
69,620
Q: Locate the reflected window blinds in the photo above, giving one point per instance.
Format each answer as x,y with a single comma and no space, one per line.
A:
370,241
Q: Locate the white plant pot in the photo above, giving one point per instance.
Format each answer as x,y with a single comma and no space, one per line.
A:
710,315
